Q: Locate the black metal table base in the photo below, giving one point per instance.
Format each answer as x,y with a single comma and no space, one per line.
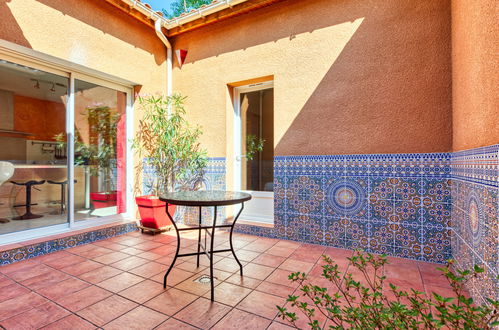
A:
209,253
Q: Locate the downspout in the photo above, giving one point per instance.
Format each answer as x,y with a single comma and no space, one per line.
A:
169,55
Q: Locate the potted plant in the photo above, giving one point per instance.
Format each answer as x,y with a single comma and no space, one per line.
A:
100,152
173,158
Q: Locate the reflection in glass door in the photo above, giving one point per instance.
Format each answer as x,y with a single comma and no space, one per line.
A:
254,138
99,151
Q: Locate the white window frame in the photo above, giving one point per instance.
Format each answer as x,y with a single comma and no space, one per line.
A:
21,55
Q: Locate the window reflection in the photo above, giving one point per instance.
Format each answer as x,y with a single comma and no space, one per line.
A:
99,150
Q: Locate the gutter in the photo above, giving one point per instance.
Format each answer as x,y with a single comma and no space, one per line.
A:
169,56
160,21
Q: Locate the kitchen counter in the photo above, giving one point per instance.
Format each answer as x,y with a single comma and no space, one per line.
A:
39,166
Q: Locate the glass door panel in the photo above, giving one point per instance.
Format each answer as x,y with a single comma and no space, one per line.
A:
254,167
99,151
33,153
257,115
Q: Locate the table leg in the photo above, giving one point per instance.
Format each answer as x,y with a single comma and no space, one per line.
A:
211,255
230,239
199,236
178,247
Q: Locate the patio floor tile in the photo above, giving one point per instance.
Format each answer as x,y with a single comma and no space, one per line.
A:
64,261
229,294
117,283
82,267
142,291
30,272
294,265
149,269
36,317
83,298
207,313
129,263
268,260
260,303
276,289
99,274
70,322
257,271
106,310
20,304
278,326
63,288
139,318
120,282
173,324
4,280
175,277
109,258
171,301
227,264
13,290
245,281
242,320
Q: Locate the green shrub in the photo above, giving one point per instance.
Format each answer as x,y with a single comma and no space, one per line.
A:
362,304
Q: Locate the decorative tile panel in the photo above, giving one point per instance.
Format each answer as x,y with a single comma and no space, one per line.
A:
399,204
38,249
475,207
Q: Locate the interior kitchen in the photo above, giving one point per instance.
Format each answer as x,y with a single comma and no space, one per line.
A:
34,151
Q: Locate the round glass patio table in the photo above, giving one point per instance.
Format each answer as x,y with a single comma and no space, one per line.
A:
202,199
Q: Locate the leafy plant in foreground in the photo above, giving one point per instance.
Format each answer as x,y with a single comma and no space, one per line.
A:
368,303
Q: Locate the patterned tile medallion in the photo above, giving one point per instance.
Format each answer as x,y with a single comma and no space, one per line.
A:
475,238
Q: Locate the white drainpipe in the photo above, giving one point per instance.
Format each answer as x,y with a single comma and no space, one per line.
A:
169,56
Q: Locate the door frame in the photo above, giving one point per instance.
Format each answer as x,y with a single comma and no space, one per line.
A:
28,57
237,173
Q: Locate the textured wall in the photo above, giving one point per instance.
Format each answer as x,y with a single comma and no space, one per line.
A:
350,76
475,209
92,33
475,78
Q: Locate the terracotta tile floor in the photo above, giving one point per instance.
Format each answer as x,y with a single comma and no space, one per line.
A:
117,284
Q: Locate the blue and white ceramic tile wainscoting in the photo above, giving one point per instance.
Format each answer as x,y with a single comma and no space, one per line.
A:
397,204
53,245
475,239
213,179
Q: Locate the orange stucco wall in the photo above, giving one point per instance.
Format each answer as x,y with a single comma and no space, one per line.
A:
349,76
92,33
475,73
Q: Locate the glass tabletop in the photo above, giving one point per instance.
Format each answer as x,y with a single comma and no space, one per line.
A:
205,198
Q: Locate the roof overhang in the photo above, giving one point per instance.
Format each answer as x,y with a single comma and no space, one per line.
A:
216,11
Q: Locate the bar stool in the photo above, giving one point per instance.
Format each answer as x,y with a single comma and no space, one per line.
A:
28,215
63,192
6,172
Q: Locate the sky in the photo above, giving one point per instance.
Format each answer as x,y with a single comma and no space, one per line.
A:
159,4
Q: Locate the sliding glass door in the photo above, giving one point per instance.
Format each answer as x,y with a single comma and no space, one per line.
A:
64,142
99,151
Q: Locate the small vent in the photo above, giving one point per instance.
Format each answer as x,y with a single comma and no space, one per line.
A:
203,279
